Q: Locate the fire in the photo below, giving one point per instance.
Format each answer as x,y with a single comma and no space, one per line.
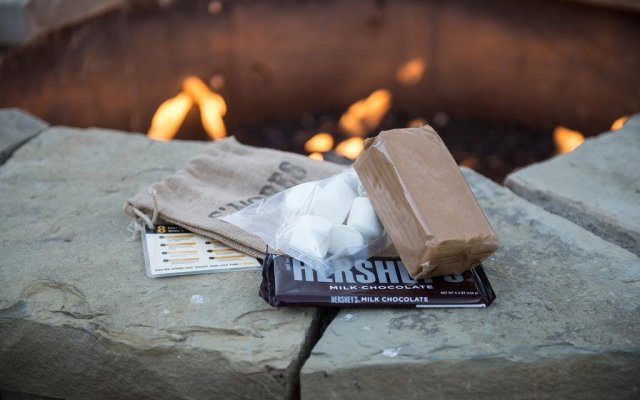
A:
566,139
617,124
411,72
319,143
358,121
170,115
212,106
416,123
365,115
350,148
470,162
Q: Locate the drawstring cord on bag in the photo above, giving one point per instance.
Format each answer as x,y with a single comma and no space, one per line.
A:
141,219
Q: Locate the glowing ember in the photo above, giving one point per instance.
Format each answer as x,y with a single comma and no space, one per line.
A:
316,156
365,115
416,123
216,82
566,139
212,106
411,72
169,116
470,162
350,148
320,142
215,7
617,124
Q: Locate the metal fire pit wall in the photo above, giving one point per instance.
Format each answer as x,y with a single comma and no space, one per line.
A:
539,62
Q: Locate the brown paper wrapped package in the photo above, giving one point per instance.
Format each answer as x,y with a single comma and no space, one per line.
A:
424,202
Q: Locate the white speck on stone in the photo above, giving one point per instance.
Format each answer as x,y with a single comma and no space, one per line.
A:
366,328
392,352
197,299
176,337
348,317
166,312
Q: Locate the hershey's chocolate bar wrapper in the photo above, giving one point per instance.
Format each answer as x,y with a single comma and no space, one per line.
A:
376,282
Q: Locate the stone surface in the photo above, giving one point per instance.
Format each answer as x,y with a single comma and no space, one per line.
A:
21,396
566,324
16,127
597,185
22,20
79,318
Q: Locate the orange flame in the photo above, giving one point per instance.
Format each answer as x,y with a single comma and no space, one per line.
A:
411,72
566,139
365,115
350,148
470,162
320,142
617,124
316,156
169,116
416,123
212,106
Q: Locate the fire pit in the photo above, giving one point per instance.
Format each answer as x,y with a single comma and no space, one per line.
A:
504,84
495,79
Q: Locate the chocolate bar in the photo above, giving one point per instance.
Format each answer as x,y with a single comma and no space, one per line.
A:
376,282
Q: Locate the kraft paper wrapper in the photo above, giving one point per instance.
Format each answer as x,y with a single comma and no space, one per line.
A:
424,202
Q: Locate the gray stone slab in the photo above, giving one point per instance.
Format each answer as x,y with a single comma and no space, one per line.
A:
16,127
21,396
79,319
566,324
597,186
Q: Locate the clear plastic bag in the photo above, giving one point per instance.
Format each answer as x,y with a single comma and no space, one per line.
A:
327,224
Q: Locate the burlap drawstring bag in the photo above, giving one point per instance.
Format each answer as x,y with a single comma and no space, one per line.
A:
226,177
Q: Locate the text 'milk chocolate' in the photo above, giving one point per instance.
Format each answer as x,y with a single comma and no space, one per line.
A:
376,282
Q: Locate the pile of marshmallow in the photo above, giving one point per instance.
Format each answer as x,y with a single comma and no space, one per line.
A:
331,217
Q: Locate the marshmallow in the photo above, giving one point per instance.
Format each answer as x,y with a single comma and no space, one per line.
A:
350,178
310,234
296,197
334,201
361,190
344,238
363,218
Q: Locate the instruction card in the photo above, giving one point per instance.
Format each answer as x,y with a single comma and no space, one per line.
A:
171,250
